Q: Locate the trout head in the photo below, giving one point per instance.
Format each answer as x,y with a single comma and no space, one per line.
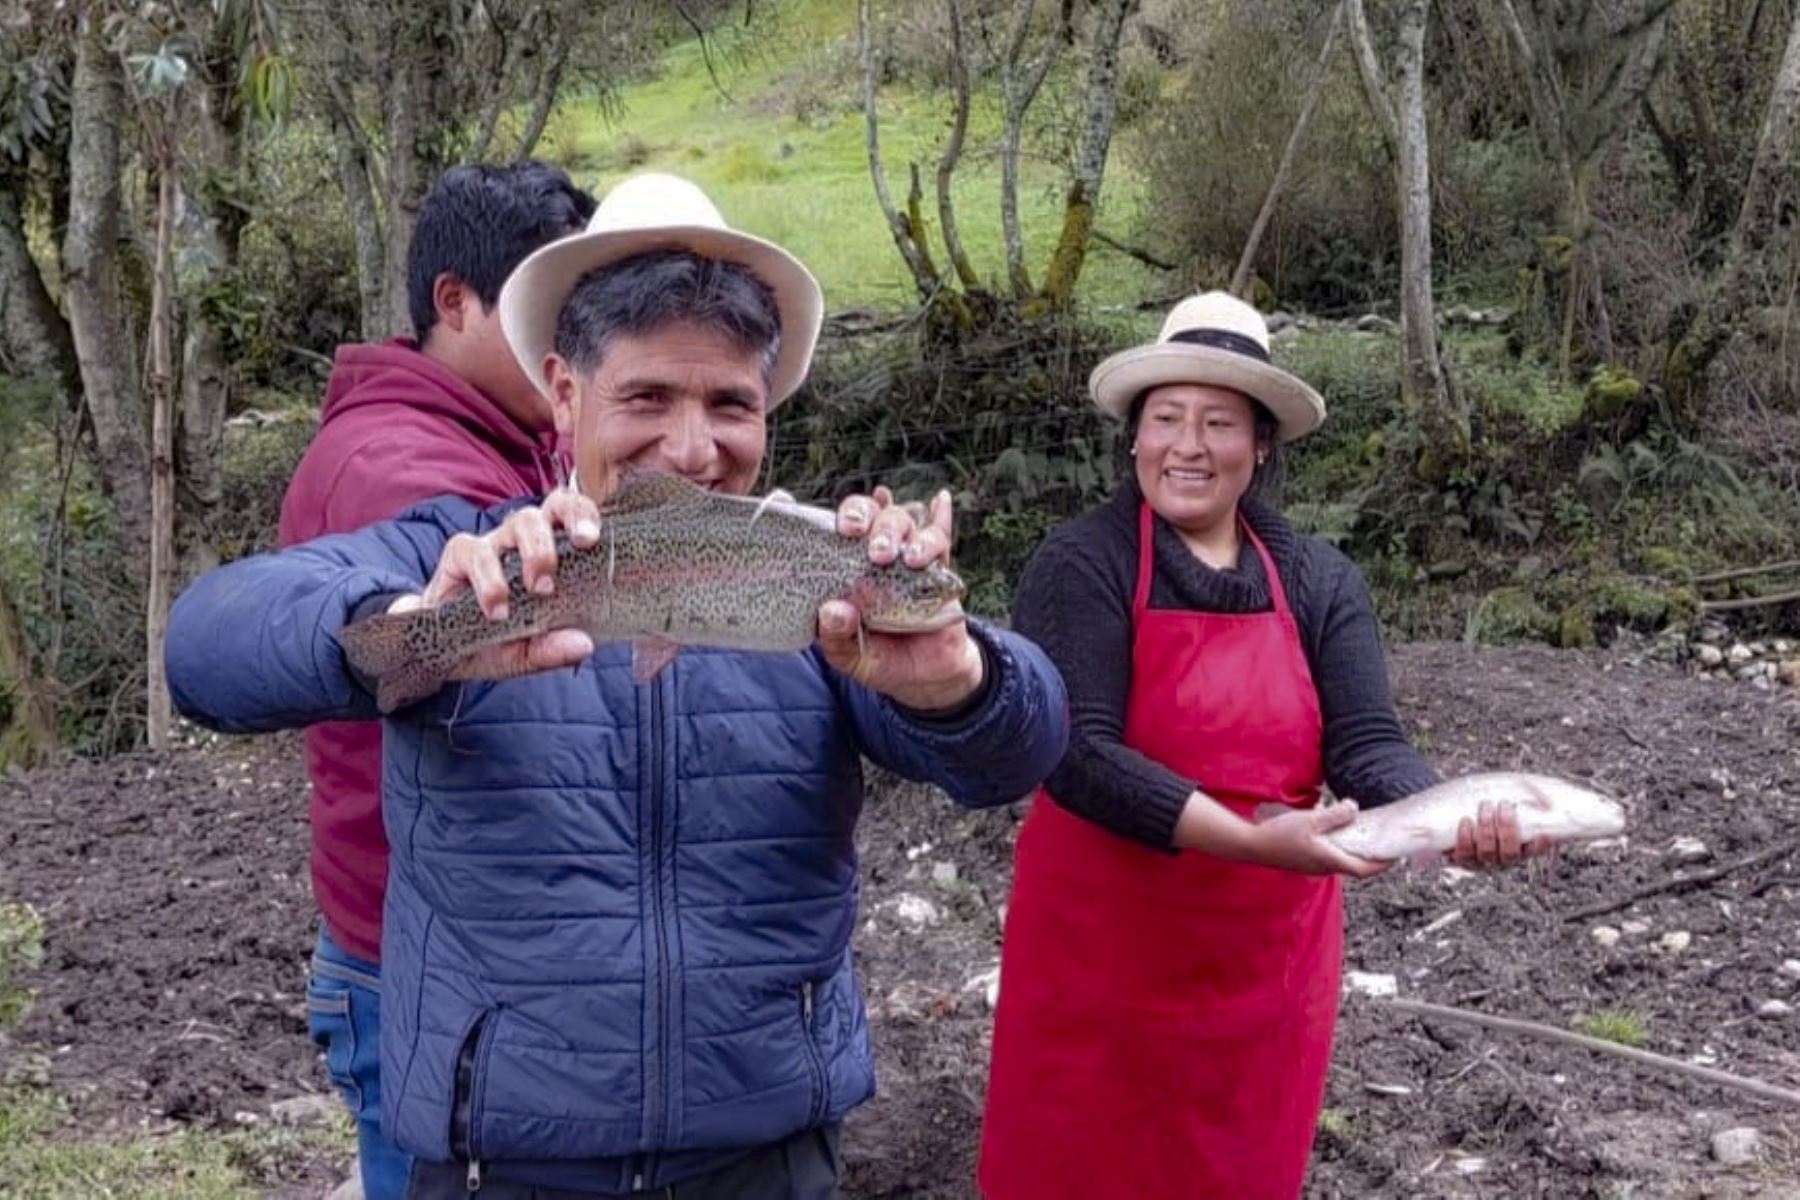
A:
1565,810
900,599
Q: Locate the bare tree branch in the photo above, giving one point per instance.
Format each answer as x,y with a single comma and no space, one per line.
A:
1240,278
549,83
705,49
1774,158
1375,87
904,238
959,126
1019,84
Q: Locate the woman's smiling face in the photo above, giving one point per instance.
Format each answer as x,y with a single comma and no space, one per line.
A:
1195,453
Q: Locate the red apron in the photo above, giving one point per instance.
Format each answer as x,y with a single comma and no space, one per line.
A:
1165,1021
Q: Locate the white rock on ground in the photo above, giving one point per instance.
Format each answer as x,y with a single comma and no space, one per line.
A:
1635,928
1735,1147
1689,850
1774,1008
1606,935
1790,967
1364,983
944,874
916,911
1708,655
1676,941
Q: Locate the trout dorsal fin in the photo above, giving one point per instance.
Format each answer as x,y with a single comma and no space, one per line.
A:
639,490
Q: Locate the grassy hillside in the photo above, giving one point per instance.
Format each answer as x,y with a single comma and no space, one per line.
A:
786,159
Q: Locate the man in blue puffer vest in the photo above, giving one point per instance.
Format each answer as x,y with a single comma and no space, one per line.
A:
616,941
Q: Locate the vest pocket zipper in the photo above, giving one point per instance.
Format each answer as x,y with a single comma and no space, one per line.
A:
815,1060
471,1068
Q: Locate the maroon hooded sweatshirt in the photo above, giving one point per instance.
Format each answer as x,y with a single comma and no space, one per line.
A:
398,427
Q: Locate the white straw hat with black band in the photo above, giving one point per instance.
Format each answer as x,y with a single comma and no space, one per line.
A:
653,211
1212,338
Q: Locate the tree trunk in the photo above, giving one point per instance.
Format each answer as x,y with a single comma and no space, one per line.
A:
1422,381
959,127
903,231
1772,168
416,111
1019,86
1099,108
206,377
34,337
158,715
352,151
34,710
205,396
103,346
1240,278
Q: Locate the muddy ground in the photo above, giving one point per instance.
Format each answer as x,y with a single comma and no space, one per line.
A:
174,891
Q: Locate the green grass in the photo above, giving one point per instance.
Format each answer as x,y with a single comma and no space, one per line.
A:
1621,1025
786,160
21,950
42,1159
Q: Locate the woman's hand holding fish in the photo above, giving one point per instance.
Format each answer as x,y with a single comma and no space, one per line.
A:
472,563
1492,839
927,671
1295,841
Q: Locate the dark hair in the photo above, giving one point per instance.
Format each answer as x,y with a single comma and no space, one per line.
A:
1266,478
479,222
658,287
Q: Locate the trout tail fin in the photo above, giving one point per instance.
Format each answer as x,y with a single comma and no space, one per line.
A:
381,648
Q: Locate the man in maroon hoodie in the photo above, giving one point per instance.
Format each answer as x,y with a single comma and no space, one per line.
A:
448,412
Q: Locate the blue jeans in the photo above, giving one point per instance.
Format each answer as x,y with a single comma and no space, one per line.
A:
343,1014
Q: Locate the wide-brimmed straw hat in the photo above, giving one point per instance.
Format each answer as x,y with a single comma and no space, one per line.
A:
1212,338
658,212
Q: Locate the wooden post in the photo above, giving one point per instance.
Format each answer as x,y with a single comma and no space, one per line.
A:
161,377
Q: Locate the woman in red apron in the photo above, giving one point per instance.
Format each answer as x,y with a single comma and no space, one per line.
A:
1169,980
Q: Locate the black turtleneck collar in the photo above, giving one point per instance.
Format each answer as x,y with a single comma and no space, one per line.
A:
1183,581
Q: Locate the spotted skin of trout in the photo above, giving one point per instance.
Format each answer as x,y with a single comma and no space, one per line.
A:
675,566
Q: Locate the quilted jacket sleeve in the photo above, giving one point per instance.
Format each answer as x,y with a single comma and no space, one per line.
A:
991,756
252,646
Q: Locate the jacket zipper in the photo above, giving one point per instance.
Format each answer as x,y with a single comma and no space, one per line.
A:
814,1060
658,737
471,1068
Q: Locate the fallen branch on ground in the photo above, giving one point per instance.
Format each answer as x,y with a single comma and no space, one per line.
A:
1749,602
1746,572
1682,883
1742,1083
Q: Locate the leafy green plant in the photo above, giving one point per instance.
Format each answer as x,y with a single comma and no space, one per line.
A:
21,951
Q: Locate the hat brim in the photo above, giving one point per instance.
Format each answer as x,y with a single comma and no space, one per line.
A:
532,298
1123,377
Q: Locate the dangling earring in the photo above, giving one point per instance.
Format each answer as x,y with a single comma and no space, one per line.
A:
1134,449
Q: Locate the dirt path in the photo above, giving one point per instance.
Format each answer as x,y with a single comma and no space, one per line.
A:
179,924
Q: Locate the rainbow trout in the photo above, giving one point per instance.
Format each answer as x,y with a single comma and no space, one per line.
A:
1423,825
675,566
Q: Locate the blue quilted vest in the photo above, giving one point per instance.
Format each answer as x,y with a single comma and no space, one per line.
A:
618,918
